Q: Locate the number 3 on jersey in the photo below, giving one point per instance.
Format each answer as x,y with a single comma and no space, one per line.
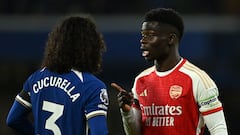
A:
57,111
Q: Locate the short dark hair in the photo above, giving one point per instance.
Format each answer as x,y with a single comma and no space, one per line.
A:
167,16
74,44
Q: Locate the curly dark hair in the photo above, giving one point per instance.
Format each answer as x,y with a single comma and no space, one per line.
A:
167,16
74,43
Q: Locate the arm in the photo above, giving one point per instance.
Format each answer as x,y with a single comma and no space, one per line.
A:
210,106
131,116
18,119
206,94
98,125
212,111
132,121
96,111
216,123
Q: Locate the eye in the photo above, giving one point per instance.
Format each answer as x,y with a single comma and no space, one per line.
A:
148,35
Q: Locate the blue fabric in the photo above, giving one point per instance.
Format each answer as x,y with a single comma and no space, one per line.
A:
62,102
18,119
98,125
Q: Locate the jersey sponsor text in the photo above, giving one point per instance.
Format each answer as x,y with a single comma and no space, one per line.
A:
160,115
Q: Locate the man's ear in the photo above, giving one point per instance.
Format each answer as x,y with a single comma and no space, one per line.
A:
172,38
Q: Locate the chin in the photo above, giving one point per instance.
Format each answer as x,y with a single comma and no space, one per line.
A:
148,58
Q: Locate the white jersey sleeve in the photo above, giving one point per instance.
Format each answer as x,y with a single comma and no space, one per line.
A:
216,123
206,95
132,121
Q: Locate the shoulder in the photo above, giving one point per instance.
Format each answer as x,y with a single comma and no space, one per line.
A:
36,74
88,78
197,74
146,72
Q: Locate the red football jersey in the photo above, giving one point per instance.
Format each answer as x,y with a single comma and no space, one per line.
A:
173,102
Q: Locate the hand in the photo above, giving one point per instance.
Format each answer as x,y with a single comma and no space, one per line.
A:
125,99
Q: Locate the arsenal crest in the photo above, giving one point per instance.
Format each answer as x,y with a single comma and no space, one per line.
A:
175,91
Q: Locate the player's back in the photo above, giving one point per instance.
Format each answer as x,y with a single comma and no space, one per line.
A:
61,102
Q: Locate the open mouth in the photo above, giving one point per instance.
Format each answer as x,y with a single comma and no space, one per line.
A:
145,53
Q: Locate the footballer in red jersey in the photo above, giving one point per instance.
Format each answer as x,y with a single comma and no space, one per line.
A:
173,97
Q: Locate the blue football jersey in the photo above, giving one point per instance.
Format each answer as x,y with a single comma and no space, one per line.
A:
62,103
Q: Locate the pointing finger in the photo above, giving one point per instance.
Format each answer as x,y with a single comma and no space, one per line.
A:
117,87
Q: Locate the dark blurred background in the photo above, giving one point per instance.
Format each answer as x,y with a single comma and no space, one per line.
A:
211,41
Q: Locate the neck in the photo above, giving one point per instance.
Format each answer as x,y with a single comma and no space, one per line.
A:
167,64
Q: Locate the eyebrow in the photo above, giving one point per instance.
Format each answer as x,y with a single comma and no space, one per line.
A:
154,31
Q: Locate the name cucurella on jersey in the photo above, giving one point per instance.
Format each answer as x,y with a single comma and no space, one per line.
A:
57,82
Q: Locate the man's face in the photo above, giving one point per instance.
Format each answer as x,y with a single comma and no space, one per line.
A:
154,41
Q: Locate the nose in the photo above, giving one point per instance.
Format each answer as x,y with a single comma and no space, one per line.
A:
143,40
143,44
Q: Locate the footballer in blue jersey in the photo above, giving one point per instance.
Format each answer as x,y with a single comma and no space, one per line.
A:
64,96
